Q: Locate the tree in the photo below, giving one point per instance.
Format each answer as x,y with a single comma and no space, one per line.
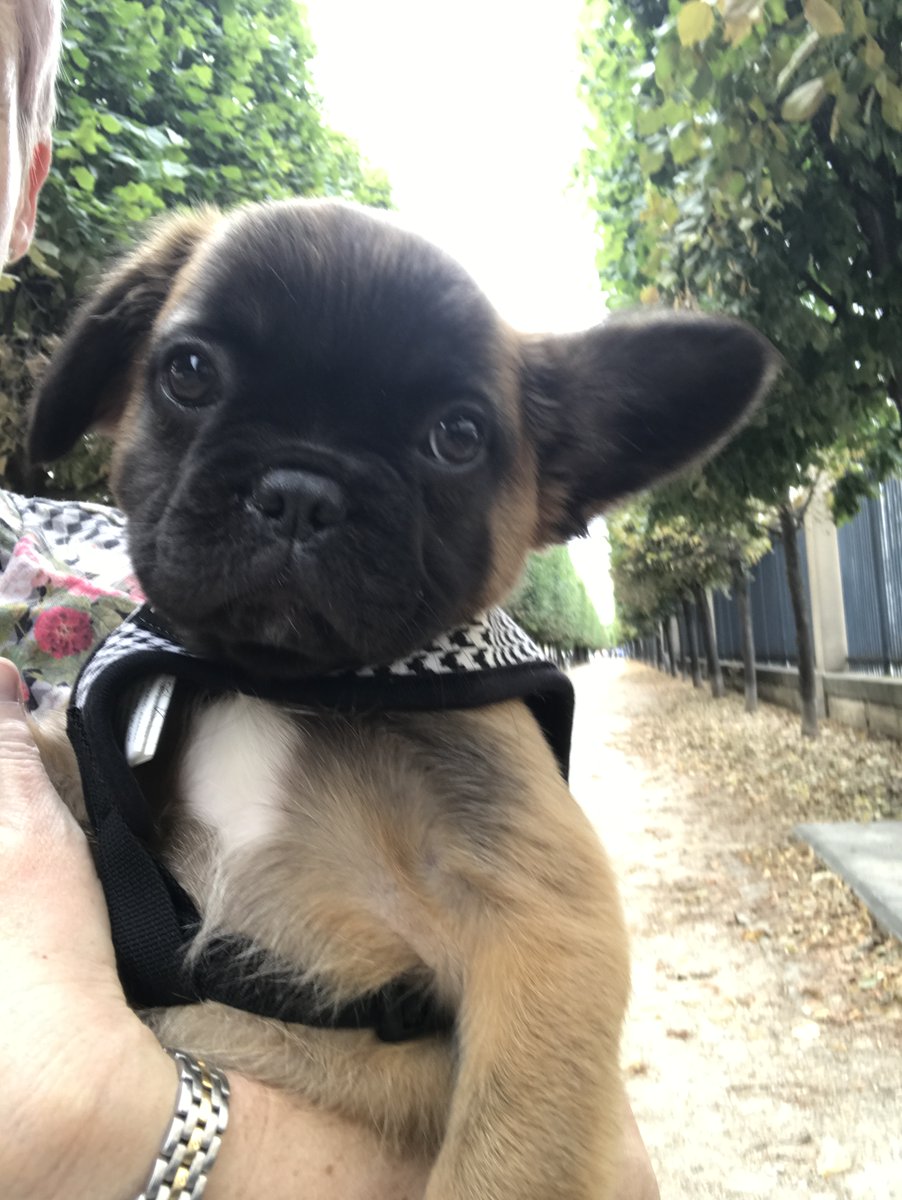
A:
553,606
747,156
668,549
160,105
654,564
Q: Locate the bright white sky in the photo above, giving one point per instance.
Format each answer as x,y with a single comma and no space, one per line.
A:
472,109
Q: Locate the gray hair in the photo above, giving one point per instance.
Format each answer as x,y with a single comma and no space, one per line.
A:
38,23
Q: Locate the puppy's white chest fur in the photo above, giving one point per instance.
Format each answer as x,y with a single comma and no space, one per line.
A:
300,830
236,769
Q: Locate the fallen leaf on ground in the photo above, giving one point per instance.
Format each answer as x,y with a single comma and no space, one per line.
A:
833,1158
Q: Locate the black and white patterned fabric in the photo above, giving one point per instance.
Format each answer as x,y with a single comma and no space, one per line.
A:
132,637
489,643
90,537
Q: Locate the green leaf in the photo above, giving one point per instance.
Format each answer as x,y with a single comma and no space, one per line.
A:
695,20
823,18
84,178
802,103
43,266
891,106
735,184
650,120
78,56
685,146
872,55
109,123
650,160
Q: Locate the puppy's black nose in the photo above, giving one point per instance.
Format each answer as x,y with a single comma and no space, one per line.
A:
301,503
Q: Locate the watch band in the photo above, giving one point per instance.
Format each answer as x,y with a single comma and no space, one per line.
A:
192,1141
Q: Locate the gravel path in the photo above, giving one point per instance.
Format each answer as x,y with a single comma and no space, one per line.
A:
747,1071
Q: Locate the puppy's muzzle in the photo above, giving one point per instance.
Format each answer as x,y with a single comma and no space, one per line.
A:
299,504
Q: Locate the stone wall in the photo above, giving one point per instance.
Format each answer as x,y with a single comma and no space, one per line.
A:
868,702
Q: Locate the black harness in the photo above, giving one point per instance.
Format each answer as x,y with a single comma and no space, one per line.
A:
153,919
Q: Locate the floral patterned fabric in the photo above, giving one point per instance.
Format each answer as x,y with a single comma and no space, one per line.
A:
65,583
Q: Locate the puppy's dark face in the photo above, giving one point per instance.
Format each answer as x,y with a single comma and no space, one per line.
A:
320,440
329,446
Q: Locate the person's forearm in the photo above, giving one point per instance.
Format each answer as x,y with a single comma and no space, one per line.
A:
282,1149
274,1145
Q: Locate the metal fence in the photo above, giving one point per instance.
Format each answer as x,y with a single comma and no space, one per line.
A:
870,563
870,560
726,625
772,621
682,633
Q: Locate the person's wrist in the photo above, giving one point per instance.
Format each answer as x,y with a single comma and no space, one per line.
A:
104,1118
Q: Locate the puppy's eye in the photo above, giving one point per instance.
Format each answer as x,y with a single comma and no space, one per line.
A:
456,439
189,378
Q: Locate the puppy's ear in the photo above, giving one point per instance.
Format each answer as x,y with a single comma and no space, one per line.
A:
85,382
625,404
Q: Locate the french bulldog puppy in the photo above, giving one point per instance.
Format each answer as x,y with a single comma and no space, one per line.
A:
331,451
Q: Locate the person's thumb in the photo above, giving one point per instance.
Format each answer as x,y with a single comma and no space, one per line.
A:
51,902
27,798
10,684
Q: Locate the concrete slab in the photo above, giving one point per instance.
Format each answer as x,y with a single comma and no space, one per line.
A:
869,859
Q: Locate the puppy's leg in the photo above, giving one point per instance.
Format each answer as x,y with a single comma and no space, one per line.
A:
535,1112
533,915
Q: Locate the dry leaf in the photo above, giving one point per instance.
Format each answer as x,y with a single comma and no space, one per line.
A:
833,1158
823,18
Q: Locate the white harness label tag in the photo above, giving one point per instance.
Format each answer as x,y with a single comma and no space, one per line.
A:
148,715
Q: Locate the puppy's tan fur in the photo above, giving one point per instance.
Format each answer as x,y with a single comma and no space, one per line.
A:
494,885
441,846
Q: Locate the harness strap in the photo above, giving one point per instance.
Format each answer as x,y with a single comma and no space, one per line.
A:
153,919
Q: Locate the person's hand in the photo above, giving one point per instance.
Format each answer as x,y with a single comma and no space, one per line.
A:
68,1041
636,1177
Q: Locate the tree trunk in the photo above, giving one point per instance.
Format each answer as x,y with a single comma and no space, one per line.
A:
692,639
807,687
668,646
715,674
747,635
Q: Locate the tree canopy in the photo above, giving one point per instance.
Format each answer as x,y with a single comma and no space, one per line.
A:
747,157
160,106
553,606
664,547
